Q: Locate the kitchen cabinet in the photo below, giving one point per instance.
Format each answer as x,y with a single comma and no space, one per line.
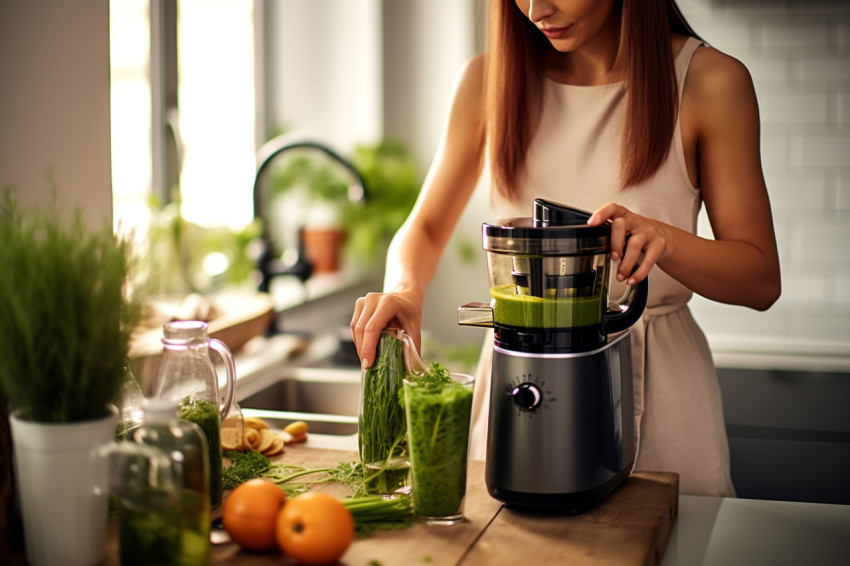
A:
789,433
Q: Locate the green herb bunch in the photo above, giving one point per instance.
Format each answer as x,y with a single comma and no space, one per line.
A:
382,425
66,314
434,379
370,512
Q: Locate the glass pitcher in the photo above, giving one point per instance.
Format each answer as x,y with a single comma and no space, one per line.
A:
382,427
186,375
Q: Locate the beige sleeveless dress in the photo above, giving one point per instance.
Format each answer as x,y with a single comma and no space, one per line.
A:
575,159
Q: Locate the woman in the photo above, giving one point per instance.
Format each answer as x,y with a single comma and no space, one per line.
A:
613,106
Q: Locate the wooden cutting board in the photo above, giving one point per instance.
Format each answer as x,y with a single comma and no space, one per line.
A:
630,527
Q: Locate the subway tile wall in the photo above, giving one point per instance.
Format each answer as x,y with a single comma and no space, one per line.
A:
798,53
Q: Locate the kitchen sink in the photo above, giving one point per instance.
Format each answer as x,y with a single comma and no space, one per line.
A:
326,399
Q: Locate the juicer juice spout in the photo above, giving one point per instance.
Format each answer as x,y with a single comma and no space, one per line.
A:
476,314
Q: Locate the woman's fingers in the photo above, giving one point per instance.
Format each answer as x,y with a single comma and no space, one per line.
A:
606,212
619,231
637,242
630,258
651,254
365,319
372,314
617,215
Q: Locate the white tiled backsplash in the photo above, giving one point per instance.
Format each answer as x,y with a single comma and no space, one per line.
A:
798,53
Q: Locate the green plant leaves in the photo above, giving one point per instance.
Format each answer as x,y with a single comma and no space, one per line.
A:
66,313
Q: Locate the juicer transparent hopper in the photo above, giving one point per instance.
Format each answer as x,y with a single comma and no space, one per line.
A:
550,276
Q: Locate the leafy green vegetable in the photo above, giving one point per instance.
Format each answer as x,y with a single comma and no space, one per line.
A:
66,312
374,512
382,426
252,464
370,512
434,379
244,466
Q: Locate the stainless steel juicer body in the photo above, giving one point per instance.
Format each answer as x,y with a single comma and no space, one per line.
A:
561,426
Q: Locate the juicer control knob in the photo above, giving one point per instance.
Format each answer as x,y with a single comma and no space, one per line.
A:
526,396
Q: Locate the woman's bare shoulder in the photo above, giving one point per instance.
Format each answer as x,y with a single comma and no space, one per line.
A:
714,76
472,72
469,90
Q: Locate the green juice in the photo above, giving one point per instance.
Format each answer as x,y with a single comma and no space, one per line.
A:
205,414
171,531
438,418
526,311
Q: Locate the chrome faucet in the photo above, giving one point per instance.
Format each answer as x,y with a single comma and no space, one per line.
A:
270,264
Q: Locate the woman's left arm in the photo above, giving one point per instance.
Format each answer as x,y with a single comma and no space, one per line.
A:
720,118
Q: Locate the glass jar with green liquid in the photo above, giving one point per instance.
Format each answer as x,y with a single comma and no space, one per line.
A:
187,377
163,492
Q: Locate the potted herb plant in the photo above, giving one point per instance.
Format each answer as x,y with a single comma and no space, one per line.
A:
393,182
66,315
317,196
314,188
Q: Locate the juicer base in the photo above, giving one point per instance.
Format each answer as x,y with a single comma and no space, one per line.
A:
575,503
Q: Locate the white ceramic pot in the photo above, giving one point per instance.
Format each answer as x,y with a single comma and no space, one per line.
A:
64,515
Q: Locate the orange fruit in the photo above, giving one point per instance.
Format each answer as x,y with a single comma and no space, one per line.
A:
250,513
315,528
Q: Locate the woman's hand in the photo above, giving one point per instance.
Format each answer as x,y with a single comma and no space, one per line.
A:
631,235
376,311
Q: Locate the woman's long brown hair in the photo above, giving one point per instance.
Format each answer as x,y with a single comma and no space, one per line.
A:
645,57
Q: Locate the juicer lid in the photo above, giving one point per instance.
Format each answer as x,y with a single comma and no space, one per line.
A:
554,230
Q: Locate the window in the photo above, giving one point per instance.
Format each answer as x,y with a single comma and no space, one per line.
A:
183,116
129,54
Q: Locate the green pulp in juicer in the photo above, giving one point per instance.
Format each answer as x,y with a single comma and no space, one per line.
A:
536,312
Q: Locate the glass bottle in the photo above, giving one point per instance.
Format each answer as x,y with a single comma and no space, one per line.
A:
164,510
187,377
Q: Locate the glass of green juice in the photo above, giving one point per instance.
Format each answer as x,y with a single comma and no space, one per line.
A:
438,418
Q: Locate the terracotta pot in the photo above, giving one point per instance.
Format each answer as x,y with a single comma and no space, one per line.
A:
322,247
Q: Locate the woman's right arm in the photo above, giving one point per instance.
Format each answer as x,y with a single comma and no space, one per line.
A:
414,253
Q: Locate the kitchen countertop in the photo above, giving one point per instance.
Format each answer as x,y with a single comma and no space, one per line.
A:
715,531
631,527
709,531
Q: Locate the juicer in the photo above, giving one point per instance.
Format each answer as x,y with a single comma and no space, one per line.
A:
560,432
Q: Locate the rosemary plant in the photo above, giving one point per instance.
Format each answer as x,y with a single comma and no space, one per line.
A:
66,313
